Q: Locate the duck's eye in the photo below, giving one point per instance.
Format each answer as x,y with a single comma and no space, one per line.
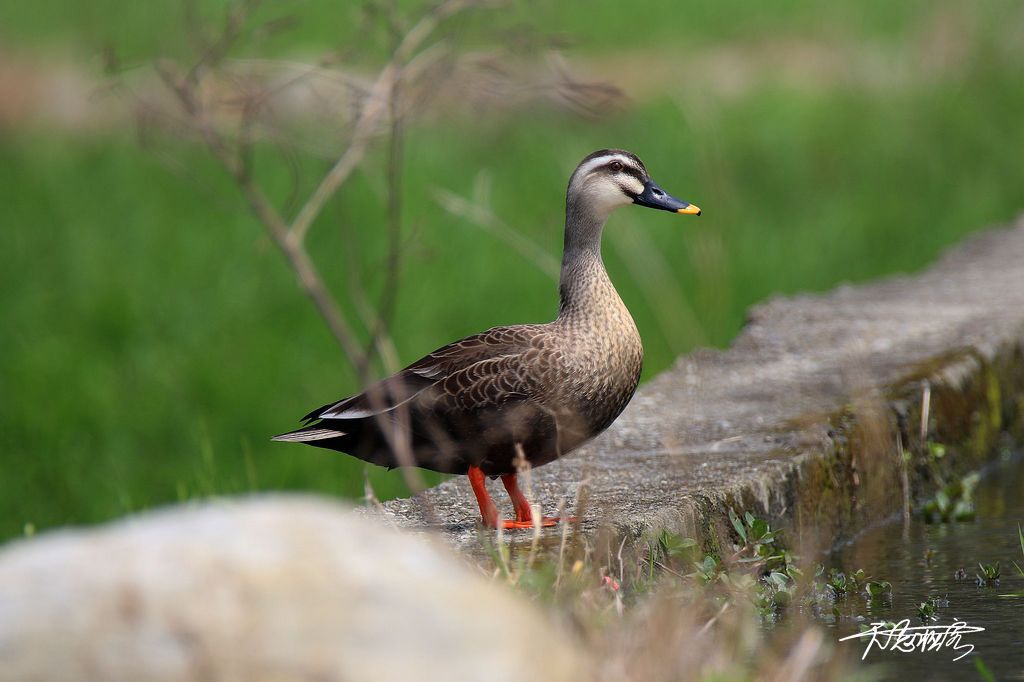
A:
616,166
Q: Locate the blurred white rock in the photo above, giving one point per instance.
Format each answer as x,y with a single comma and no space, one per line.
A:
268,588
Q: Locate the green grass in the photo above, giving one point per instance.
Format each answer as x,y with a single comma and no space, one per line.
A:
138,32
153,338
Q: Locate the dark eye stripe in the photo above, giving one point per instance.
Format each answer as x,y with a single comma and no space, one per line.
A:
627,169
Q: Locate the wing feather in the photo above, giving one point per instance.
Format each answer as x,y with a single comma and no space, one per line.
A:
488,368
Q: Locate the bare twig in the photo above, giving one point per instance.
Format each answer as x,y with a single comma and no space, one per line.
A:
215,52
378,105
480,215
299,260
309,278
380,110
926,405
384,345
374,109
383,319
561,555
680,325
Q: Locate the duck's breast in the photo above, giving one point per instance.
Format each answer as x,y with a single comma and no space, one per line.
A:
602,364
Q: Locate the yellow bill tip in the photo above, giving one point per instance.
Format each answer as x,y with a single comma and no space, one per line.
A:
692,209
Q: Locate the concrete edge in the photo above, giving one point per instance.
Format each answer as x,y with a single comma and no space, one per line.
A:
870,460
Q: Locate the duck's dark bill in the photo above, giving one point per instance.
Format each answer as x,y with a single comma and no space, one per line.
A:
655,197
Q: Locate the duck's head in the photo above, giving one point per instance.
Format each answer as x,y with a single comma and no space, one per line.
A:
610,178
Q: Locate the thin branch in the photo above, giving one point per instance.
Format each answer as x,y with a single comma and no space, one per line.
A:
676,318
215,52
379,104
343,167
299,260
382,322
384,346
373,110
480,215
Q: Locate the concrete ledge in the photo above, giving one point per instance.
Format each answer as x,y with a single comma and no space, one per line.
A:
807,417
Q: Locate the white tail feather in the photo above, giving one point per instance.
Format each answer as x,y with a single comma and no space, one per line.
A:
306,436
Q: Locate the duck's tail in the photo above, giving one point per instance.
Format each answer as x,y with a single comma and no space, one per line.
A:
308,434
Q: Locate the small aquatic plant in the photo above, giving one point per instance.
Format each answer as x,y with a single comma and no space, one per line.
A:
761,545
989,575
844,584
927,610
878,590
1020,537
709,570
883,626
954,502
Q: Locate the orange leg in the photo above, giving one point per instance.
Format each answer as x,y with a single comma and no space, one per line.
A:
519,501
524,516
489,513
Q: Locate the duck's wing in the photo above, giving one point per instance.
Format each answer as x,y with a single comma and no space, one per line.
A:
491,367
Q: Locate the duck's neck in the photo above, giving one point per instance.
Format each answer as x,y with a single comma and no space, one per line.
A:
584,287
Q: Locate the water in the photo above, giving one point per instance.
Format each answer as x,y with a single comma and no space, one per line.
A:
896,552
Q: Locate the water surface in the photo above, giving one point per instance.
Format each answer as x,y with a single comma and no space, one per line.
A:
896,552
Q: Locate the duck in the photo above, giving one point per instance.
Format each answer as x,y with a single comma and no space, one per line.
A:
514,397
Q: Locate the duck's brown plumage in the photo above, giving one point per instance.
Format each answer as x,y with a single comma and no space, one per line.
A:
469,403
545,387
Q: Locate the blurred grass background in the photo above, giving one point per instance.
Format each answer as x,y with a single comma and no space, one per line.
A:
153,338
